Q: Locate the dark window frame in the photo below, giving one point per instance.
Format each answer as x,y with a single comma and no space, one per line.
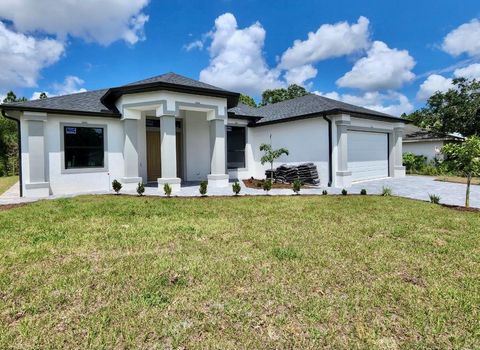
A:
237,151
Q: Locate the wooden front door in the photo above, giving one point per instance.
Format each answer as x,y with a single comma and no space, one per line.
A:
153,156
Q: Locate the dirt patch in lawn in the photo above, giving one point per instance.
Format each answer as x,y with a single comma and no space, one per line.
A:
258,184
458,179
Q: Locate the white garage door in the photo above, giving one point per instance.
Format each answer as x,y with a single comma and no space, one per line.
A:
367,155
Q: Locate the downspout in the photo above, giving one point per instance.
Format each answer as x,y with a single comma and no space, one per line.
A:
330,150
19,136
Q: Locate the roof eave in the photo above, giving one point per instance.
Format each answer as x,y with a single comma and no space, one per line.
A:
8,107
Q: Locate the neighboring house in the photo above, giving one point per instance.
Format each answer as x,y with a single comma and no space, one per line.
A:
172,129
423,142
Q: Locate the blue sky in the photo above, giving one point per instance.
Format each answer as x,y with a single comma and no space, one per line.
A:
387,55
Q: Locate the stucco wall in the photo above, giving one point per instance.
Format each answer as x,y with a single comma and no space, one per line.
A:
425,148
197,146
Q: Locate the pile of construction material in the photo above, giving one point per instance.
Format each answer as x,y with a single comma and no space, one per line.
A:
307,173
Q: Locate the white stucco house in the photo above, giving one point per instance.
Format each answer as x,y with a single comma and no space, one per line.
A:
172,129
424,142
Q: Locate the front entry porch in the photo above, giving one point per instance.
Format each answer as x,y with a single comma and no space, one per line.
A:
174,146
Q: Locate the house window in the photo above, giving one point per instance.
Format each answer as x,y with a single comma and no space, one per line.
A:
236,147
84,147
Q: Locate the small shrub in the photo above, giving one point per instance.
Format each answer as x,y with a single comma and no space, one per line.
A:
344,192
363,192
386,191
140,189
236,188
434,198
167,189
117,186
296,186
267,185
203,188
324,192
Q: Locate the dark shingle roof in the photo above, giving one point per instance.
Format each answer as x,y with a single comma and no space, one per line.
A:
244,110
305,105
173,78
414,133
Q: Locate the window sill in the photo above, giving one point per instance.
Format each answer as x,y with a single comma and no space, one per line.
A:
84,170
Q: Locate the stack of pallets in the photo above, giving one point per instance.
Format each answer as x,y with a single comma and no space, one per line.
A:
307,173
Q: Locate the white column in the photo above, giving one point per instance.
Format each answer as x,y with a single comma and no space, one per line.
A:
131,120
398,168
218,176
343,177
168,153
37,184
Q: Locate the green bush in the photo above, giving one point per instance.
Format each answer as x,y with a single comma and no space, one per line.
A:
267,185
140,189
386,191
363,192
344,192
296,186
167,189
434,198
236,188
324,192
203,188
117,186
413,162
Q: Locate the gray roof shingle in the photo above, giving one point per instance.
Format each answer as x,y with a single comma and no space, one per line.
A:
301,106
414,133
173,78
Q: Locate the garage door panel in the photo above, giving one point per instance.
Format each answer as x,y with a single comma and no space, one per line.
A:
367,155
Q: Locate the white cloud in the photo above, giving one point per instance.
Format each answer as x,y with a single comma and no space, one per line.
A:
22,57
70,85
329,41
391,102
432,84
197,44
101,22
236,58
382,68
299,75
470,72
463,39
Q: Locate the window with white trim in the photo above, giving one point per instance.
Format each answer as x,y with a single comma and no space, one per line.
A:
236,141
84,147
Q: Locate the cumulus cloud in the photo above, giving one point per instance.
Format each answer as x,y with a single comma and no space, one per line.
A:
470,72
70,85
329,41
197,44
463,39
22,57
382,68
391,102
236,58
299,75
86,19
432,84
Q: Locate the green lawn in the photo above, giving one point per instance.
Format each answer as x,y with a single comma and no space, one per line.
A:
234,273
6,182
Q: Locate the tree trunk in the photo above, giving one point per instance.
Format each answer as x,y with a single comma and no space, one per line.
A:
467,195
271,172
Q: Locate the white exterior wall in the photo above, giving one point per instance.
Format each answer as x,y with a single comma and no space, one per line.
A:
197,146
305,139
62,183
424,148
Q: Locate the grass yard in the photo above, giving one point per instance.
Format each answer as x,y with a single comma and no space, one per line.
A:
458,179
234,273
6,182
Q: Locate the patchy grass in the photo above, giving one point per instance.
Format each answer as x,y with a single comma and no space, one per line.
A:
229,273
458,179
6,182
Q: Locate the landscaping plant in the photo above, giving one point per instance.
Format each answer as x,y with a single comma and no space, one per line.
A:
464,158
203,188
344,192
236,188
386,191
363,192
296,186
267,185
271,154
117,186
434,198
324,192
167,189
140,189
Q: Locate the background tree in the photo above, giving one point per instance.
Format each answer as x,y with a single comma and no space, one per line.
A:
279,95
454,111
270,155
464,158
43,96
247,100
